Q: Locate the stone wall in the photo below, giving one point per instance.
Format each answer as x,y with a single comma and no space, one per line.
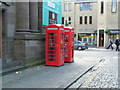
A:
29,48
22,42
8,30
0,33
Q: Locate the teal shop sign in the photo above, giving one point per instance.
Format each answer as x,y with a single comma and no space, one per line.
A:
51,12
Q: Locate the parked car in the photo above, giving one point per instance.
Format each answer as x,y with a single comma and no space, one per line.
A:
78,45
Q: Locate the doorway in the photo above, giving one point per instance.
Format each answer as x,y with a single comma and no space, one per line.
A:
101,38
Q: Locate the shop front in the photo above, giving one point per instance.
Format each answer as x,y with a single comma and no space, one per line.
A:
115,34
87,38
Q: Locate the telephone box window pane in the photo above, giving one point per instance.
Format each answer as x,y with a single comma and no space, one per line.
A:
51,55
51,48
51,52
51,59
52,34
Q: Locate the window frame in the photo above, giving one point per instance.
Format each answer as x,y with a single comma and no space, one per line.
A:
81,20
90,20
65,7
102,8
85,19
86,6
69,7
114,6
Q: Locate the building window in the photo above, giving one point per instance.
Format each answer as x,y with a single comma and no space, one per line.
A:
90,19
102,7
84,39
90,40
114,6
81,20
86,6
85,19
62,20
69,6
90,6
69,19
65,7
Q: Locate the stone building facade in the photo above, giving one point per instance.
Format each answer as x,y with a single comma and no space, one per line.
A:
108,20
7,22
82,15
22,39
92,19
22,42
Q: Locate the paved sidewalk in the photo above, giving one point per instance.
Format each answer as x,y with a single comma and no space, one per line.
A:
48,76
44,77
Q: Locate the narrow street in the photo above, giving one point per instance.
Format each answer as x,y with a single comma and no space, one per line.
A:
104,74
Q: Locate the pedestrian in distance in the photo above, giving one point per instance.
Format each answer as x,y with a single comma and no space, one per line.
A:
110,44
117,43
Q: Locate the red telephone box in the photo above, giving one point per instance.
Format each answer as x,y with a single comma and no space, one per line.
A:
69,44
55,45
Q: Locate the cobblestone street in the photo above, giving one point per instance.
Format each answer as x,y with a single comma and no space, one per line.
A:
103,75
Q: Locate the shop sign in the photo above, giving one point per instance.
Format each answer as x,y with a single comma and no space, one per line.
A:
52,18
51,4
85,34
114,31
